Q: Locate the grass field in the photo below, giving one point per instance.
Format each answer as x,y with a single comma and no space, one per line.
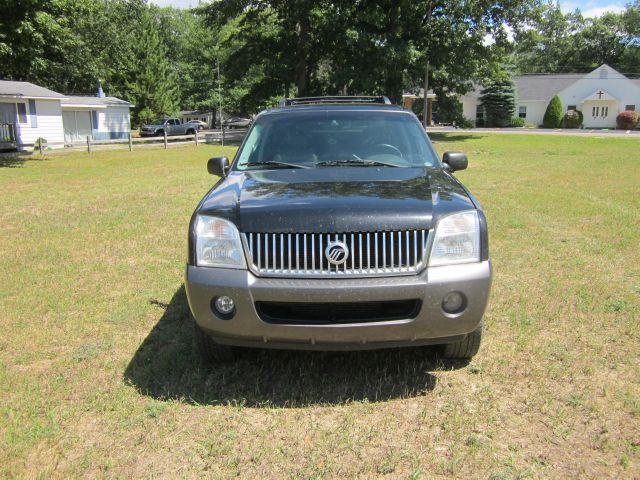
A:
98,377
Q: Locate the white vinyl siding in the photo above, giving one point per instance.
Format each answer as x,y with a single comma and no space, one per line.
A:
48,123
113,119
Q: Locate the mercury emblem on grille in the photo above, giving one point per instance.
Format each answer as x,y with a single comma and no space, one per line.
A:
336,253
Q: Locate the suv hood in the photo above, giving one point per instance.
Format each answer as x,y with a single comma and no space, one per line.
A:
335,199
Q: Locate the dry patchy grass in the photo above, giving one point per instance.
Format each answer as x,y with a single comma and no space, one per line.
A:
98,377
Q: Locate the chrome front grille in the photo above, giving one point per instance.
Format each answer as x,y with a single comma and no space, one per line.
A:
304,254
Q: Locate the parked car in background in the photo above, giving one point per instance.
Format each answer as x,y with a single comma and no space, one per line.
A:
170,126
337,227
199,124
236,122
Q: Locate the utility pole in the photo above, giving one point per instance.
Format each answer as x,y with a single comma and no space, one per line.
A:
425,111
220,101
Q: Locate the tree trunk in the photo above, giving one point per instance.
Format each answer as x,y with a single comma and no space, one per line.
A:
302,75
425,112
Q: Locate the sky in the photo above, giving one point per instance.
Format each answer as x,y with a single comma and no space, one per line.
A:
589,8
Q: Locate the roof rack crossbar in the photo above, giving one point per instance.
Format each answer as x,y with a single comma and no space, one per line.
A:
370,99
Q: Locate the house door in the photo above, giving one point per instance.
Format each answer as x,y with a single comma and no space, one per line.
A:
77,125
600,114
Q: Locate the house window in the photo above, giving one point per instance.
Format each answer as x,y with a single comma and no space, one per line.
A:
22,113
571,107
479,112
595,111
605,111
522,112
630,107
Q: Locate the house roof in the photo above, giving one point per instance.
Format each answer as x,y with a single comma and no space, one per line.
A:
9,88
418,92
96,102
195,112
532,87
543,86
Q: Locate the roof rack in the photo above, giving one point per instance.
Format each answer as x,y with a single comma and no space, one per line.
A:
360,99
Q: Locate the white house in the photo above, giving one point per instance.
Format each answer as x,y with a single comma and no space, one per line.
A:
204,116
29,112
34,112
101,118
600,95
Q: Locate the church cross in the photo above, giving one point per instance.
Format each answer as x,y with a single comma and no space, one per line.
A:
600,93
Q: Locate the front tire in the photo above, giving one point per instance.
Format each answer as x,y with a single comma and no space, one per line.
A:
210,351
464,349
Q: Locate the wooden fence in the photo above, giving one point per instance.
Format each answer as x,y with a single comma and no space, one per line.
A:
212,137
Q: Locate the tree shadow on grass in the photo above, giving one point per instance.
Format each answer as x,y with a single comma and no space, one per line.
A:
15,159
166,366
448,137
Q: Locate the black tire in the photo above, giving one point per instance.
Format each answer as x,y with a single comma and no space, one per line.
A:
160,133
464,349
210,351
191,132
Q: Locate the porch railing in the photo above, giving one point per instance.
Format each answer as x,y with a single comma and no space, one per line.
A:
8,133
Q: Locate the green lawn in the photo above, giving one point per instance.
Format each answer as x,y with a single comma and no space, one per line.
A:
98,377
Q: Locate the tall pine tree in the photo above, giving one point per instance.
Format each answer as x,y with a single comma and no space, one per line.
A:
153,85
499,100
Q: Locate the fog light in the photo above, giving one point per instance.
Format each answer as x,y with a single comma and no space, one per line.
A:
453,302
224,305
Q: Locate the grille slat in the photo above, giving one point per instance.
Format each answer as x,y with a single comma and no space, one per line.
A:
303,254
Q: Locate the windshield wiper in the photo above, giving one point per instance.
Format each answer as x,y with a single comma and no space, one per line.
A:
355,161
274,163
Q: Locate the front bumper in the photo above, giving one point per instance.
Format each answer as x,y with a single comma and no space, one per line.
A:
431,326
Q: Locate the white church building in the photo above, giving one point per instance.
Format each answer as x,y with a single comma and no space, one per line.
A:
600,95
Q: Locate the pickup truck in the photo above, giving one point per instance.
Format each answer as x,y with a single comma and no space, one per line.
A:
337,227
172,126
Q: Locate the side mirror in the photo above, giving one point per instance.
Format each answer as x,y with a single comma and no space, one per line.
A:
218,166
455,160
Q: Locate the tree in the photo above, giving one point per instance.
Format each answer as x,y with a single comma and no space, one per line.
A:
339,46
152,84
499,100
553,115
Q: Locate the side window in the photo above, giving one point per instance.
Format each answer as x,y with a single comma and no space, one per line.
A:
33,114
630,107
22,112
571,107
522,112
249,148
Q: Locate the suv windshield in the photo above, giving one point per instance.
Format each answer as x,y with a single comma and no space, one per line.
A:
336,138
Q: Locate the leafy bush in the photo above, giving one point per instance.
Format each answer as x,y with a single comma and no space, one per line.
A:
40,141
553,116
627,120
479,122
517,122
573,119
465,123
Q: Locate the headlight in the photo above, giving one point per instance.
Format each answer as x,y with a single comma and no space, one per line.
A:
457,239
218,244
